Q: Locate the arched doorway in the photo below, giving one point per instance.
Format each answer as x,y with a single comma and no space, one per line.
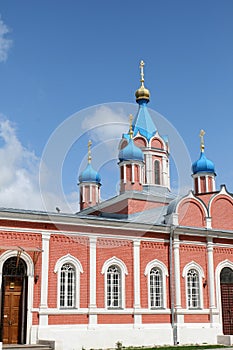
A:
226,282
14,301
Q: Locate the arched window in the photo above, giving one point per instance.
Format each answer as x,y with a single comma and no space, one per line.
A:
156,273
114,288
193,289
67,286
114,270
193,274
68,269
156,288
157,172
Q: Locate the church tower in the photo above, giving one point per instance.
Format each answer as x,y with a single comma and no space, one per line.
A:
131,161
203,171
155,147
89,184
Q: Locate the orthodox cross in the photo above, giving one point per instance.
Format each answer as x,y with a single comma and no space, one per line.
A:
130,126
89,151
142,64
202,133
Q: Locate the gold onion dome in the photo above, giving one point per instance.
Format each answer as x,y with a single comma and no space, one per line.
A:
142,93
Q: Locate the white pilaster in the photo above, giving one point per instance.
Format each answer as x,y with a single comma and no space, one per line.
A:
124,173
176,248
43,320
133,173
92,305
164,173
136,262
211,283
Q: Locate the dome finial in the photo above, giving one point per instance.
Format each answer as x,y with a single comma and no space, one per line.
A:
142,94
131,126
89,151
142,64
202,144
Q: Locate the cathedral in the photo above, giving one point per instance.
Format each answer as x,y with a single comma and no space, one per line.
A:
144,268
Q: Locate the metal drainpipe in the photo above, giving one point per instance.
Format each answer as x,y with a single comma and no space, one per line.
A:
172,296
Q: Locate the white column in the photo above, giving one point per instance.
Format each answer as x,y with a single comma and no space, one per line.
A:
206,184
176,248
137,295
124,173
43,321
211,284
133,173
92,305
164,172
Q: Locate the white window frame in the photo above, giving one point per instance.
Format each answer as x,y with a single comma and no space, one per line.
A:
194,266
123,270
164,273
69,259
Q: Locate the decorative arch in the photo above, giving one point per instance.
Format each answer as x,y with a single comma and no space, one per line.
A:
68,258
73,262
156,263
193,265
194,206
13,253
140,141
114,261
221,202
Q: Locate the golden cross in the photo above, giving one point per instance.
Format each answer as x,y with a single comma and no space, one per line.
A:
130,126
142,64
89,151
202,133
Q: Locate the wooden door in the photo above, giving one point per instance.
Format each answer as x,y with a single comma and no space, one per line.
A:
226,279
12,310
13,302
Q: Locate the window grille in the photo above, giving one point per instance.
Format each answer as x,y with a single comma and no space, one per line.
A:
193,289
67,286
114,288
156,288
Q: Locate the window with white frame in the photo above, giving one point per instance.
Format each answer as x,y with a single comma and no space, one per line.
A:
67,286
68,269
156,272
156,288
114,288
114,270
193,289
194,275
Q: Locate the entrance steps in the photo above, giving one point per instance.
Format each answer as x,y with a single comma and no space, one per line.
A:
225,339
26,347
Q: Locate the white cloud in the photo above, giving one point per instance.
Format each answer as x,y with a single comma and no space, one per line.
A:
19,185
5,43
106,123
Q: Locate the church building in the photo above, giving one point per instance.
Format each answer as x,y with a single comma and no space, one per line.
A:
143,268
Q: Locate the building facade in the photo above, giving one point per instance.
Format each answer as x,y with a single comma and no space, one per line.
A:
142,268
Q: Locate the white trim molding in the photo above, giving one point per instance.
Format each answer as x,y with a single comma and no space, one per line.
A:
69,259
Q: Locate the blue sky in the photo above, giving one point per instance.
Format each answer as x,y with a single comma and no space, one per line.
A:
60,57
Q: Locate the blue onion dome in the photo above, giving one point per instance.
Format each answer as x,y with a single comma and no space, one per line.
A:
131,152
203,165
89,175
